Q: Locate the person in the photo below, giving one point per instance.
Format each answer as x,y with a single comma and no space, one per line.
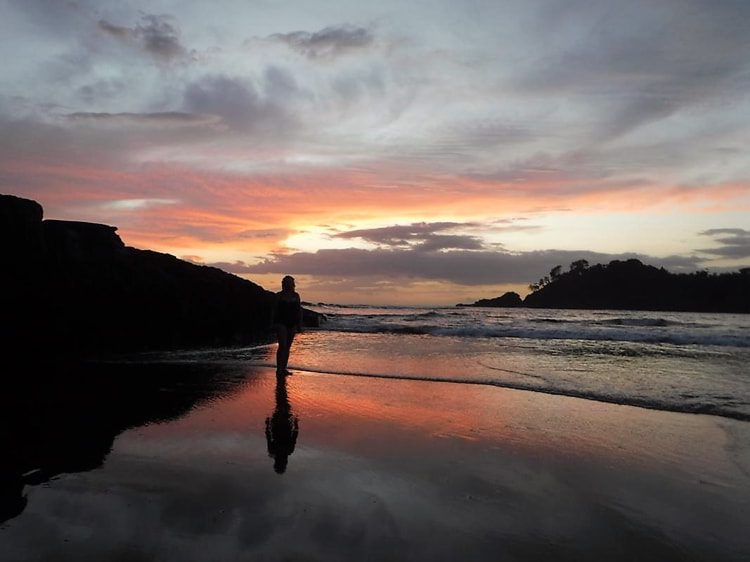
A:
287,319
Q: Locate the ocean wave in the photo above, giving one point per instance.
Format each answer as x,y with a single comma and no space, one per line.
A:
655,322
387,315
533,332
630,322
553,321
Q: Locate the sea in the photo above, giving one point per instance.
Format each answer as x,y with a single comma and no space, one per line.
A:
674,361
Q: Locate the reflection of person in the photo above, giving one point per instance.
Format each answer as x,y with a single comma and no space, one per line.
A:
287,319
282,428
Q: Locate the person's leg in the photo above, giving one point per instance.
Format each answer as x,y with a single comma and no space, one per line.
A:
291,332
282,352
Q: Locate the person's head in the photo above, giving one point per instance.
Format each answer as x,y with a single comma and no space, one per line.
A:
287,283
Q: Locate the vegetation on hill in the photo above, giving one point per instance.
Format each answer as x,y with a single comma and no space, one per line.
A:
632,285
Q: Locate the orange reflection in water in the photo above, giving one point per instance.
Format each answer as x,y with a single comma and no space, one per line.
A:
380,416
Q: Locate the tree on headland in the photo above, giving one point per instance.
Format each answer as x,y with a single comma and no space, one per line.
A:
632,285
579,266
554,273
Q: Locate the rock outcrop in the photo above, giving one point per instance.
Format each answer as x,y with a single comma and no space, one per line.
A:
508,300
74,287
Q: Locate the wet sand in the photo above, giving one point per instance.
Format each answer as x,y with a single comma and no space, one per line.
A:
228,463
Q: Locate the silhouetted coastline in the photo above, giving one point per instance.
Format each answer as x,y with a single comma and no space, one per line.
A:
632,285
74,288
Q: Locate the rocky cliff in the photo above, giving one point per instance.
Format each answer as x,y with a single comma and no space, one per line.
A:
74,287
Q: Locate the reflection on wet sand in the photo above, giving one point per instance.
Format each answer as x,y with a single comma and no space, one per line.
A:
65,420
282,428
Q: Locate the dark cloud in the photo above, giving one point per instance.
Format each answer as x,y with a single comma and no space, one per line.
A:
101,90
735,242
402,235
241,105
157,35
116,30
327,43
731,231
165,118
421,236
457,266
435,242
430,236
237,267
160,37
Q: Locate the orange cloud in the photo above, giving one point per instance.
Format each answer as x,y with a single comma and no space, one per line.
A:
209,213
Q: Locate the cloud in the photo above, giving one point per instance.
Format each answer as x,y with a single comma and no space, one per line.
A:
238,267
164,118
457,266
160,37
264,233
430,236
327,43
137,204
157,35
735,242
104,89
54,16
639,62
400,235
422,236
115,30
437,242
241,105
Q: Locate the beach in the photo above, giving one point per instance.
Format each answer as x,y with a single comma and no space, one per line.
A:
182,467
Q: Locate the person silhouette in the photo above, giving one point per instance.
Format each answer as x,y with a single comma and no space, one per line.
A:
282,428
287,319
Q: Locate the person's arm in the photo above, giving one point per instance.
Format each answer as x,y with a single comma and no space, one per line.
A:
299,320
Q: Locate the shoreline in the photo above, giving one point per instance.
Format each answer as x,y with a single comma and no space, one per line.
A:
567,393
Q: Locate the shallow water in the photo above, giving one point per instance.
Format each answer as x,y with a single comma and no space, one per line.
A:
681,362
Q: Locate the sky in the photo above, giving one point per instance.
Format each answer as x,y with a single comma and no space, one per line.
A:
425,152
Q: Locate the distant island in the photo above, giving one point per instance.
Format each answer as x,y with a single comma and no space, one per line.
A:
508,300
70,287
632,285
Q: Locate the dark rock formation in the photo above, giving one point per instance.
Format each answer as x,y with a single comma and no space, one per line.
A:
508,300
74,287
631,285
21,236
71,241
